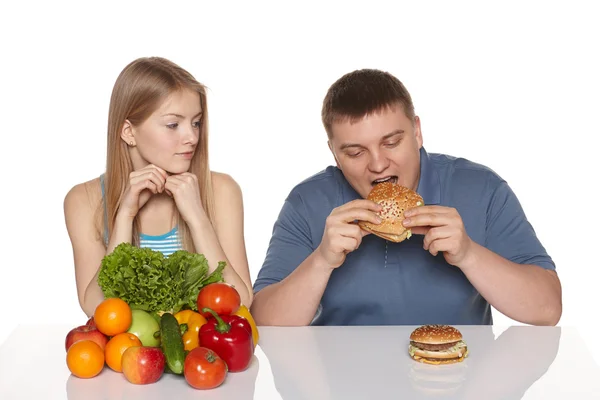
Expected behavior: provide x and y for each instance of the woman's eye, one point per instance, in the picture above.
(196, 124)
(173, 125)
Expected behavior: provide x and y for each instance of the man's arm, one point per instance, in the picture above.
(291, 283)
(294, 300)
(526, 293)
(512, 271)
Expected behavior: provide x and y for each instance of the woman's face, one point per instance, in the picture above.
(168, 138)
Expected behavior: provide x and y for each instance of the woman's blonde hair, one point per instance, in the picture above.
(139, 90)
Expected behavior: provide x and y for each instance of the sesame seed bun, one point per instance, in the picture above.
(436, 334)
(394, 199)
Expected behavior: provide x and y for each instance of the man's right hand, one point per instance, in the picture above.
(342, 235)
(142, 185)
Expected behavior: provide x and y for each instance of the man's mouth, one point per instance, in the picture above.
(390, 178)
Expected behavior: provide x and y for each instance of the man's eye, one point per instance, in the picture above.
(353, 155)
(392, 144)
(173, 125)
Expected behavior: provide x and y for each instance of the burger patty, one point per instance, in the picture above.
(438, 359)
(433, 347)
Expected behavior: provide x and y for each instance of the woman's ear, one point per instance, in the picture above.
(127, 133)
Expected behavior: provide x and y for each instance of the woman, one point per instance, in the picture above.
(158, 190)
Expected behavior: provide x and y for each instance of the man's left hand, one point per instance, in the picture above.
(443, 229)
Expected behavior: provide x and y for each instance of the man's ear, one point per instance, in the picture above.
(417, 129)
(333, 152)
(127, 133)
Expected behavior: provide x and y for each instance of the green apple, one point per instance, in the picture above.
(144, 326)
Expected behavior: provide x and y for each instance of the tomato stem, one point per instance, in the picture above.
(210, 357)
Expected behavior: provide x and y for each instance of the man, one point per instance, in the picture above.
(472, 245)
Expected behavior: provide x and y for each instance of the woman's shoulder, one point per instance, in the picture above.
(224, 185)
(86, 195)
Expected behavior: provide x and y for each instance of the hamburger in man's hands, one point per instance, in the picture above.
(437, 344)
(394, 200)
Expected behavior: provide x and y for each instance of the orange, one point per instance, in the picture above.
(112, 316)
(116, 346)
(85, 359)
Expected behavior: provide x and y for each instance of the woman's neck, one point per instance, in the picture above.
(158, 215)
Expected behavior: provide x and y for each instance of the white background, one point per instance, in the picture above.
(513, 85)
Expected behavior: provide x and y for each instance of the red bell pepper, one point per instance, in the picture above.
(230, 336)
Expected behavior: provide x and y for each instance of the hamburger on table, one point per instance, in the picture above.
(437, 344)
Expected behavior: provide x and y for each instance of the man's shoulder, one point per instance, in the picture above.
(319, 193)
(460, 169)
(459, 163)
(323, 177)
(324, 181)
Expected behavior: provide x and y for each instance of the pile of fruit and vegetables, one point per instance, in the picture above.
(163, 315)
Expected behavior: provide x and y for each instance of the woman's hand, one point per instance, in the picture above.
(186, 193)
(142, 185)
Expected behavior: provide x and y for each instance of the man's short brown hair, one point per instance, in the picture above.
(361, 93)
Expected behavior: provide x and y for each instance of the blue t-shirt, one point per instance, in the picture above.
(386, 283)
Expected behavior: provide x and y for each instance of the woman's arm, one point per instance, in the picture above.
(88, 248)
(224, 241)
(229, 225)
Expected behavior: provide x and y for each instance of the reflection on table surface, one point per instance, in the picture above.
(368, 362)
(522, 362)
(113, 385)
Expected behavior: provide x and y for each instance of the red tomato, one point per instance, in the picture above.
(222, 298)
(204, 369)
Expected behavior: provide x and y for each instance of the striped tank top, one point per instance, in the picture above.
(166, 243)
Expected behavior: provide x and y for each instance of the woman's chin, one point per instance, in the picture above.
(175, 167)
(175, 170)
(171, 173)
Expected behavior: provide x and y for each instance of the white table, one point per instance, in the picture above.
(329, 363)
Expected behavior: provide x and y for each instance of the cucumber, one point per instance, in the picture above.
(171, 343)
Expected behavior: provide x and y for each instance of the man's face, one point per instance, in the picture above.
(378, 147)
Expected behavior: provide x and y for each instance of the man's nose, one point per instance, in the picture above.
(378, 163)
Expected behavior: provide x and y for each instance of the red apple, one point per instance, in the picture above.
(91, 322)
(85, 332)
(143, 364)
